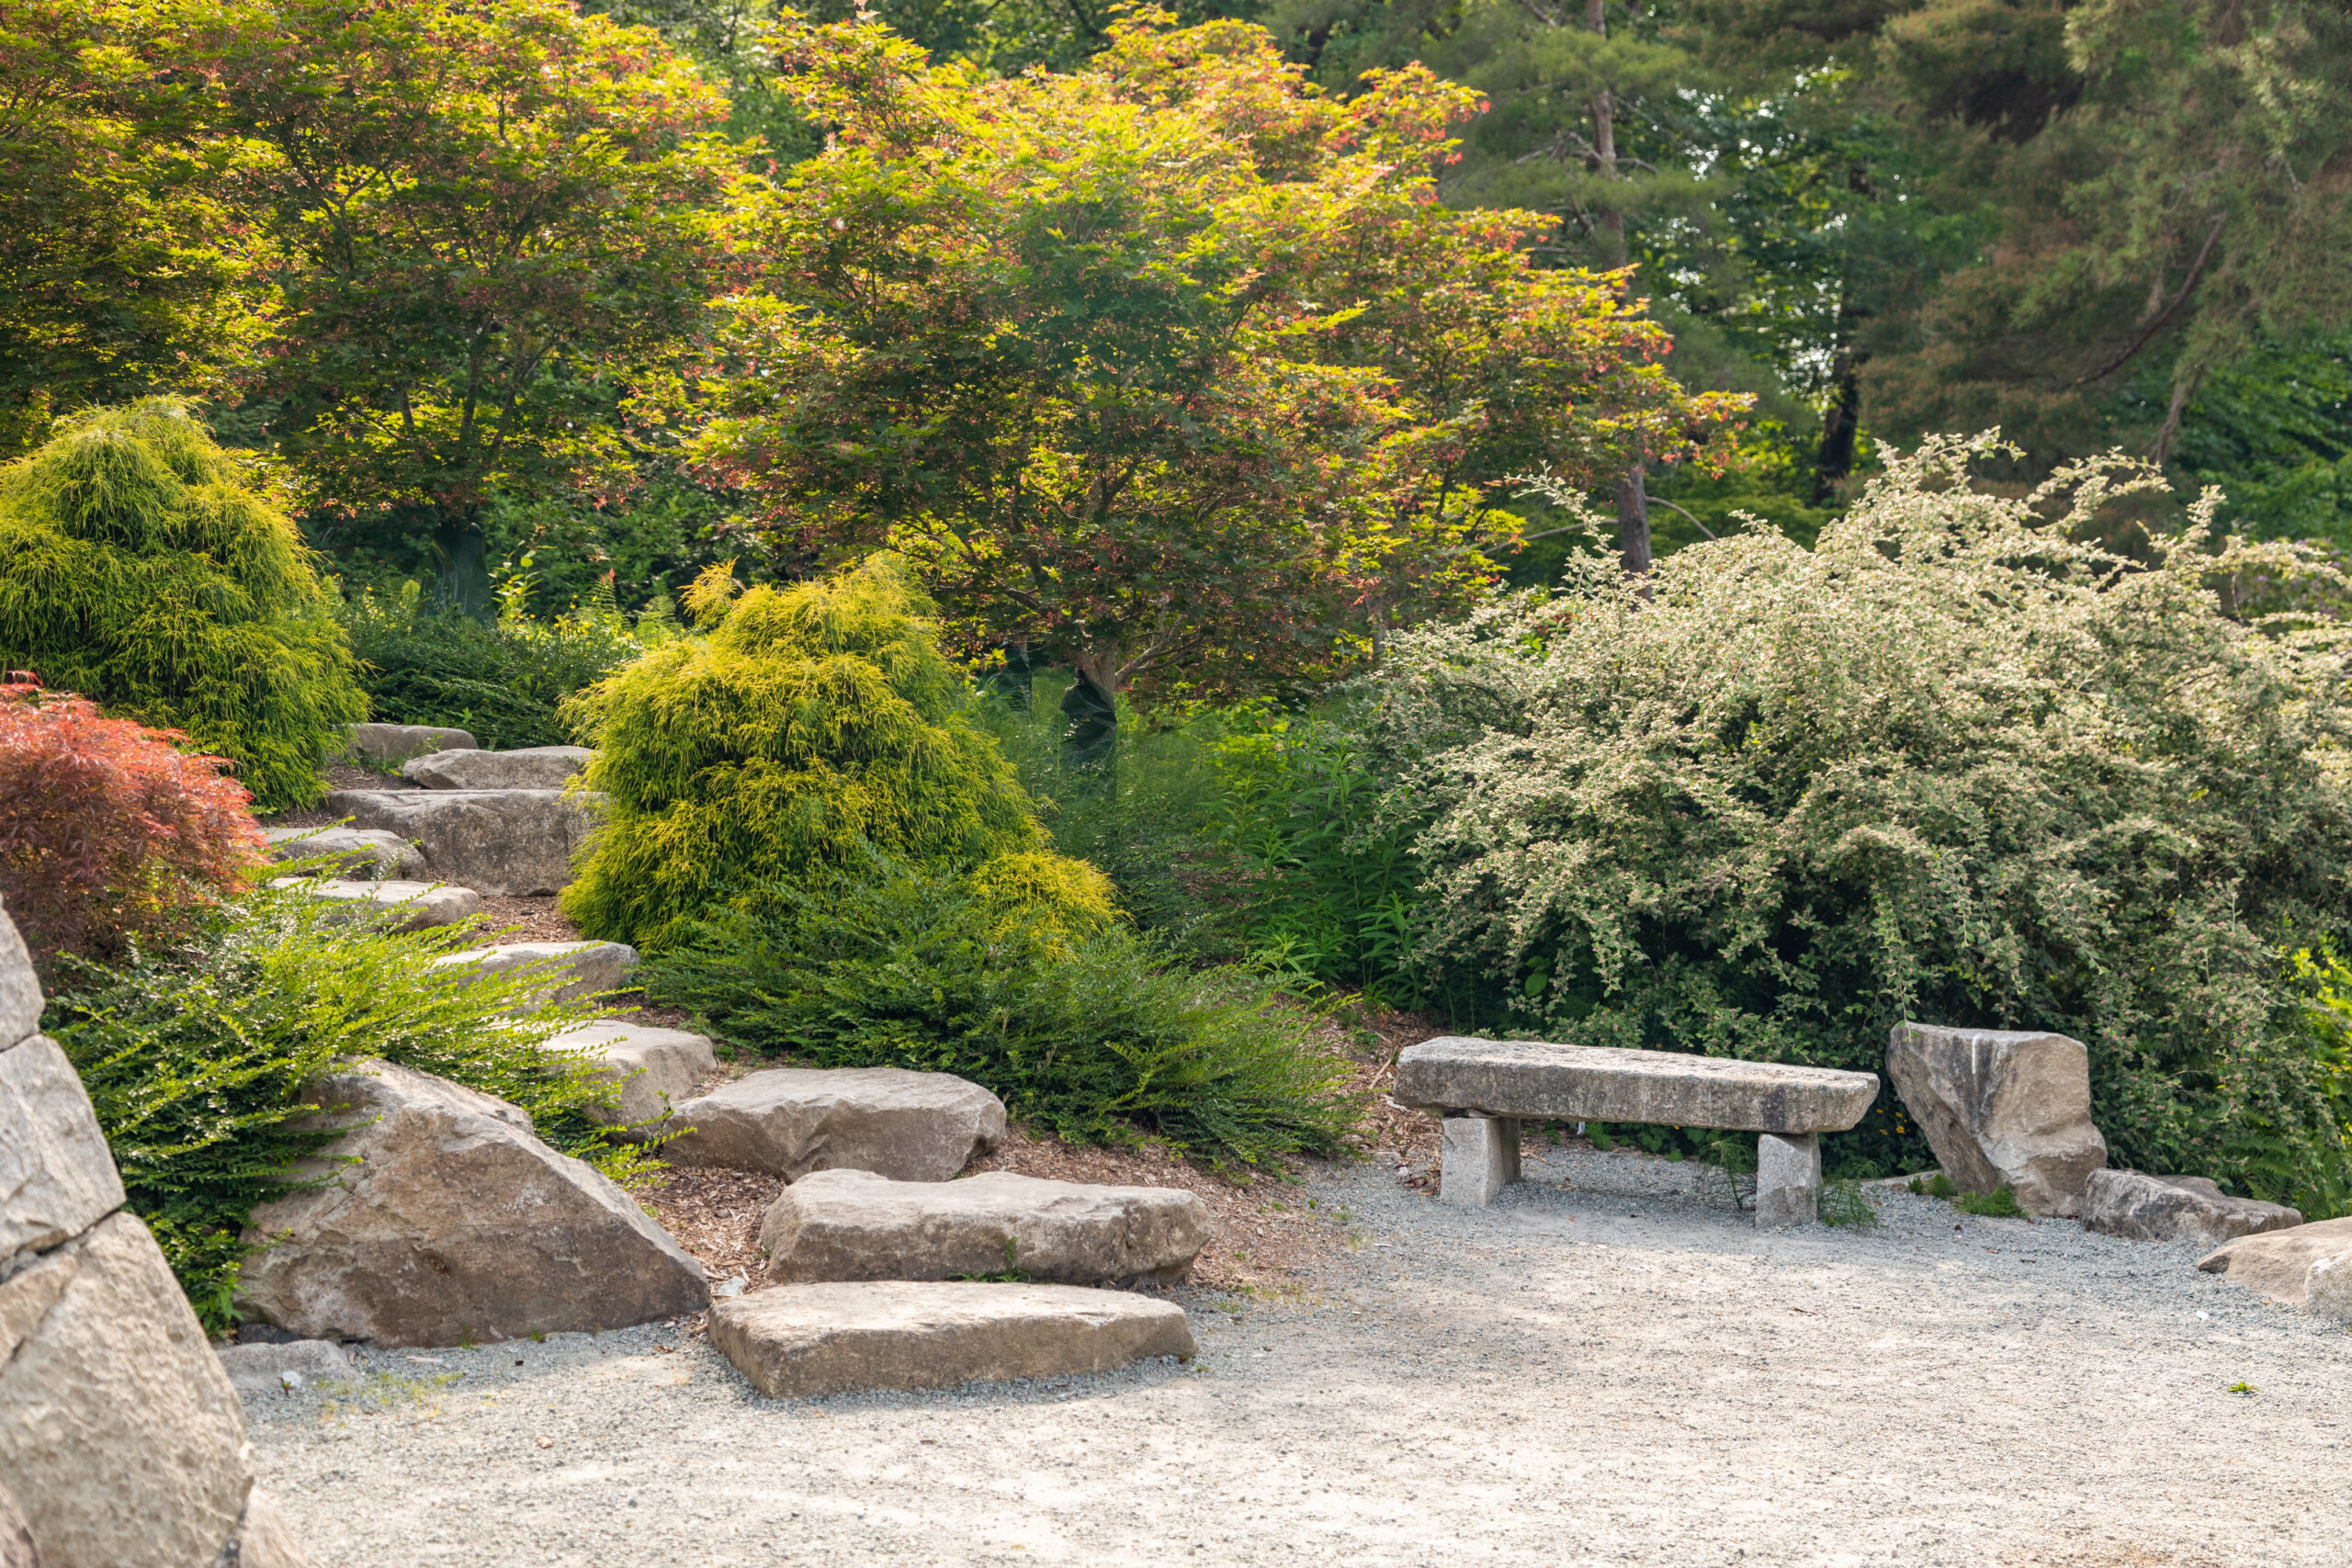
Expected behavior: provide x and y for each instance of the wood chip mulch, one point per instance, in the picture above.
(524, 920)
(1265, 1237)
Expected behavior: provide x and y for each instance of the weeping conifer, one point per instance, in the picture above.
(140, 569)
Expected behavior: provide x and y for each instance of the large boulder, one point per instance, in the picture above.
(120, 1434)
(2278, 1263)
(807, 1341)
(455, 1224)
(2001, 1109)
(20, 997)
(655, 1068)
(387, 745)
(356, 851)
(57, 1178)
(417, 904)
(854, 1225)
(532, 767)
(2176, 1208)
(790, 1121)
(503, 842)
(566, 971)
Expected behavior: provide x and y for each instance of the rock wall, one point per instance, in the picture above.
(121, 1441)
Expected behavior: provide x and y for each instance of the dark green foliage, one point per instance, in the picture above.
(142, 567)
(810, 723)
(193, 1056)
(1843, 1202)
(1082, 1032)
(1998, 1204)
(504, 681)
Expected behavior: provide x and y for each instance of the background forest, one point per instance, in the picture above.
(1483, 508)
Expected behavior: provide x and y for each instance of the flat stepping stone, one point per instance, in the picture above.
(790, 1121)
(2279, 1264)
(2176, 1208)
(390, 745)
(854, 1225)
(655, 1067)
(567, 971)
(423, 904)
(530, 767)
(808, 1341)
(504, 844)
(357, 851)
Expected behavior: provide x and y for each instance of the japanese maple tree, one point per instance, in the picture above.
(1171, 368)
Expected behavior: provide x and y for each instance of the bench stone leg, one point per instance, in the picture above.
(1788, 1178)
(1480, 1158)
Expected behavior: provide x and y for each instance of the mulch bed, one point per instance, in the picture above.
(524, 919)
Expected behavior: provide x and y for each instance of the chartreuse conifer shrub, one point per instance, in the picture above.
(806, 726)
(141, 566)
(1953, 766)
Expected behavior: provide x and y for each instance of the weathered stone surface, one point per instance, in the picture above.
(120, 1434)
(56, 1177)
(790, 1121)
(1598, 1083)
(1788, 1178)
(263, 1539)
(805, 1341)
(358, 851)
(655, 1067)
(531, 767)
(20, 999)
(502, 842)
(2278, 1263)
(456, 1224)
(566, 971)
(2001, 1109)
(420, 904)
(2176, 1208)
(15, 1535)
(2327, 1288)
(1477, 1158)
(390, 745)
(854, 1225)
(268, 1369)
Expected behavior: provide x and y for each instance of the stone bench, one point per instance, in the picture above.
(1483, 1089)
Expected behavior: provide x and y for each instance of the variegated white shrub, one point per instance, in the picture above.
(1950, 764)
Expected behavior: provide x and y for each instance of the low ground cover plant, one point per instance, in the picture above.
(195, 1052)
(1951, 763)
(107, 830)
(1052, 1002)
(146, 567)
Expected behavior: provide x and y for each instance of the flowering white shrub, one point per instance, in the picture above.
(1950, 765)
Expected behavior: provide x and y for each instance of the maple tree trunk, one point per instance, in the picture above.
(1090, 738)
(465, 578)
(1633, 492)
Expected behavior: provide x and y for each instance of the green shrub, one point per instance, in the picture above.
(193, 1056)
(1949, 766)
(1998, 1204)
(142, 567)
(1078, 1030)
(807, 724)
(1843, 1202)
(504, 681)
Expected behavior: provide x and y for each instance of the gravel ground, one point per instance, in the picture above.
(1598, 1369)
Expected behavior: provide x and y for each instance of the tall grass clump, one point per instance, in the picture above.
(142, 567)
(805, 725)
(195, 1053)
(1065, 1014)
(1951, 765)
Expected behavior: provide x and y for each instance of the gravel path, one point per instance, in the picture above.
(1599, 1372)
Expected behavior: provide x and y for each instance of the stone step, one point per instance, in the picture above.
(854, 1225)
(501, 842)
(358, 851)
(424, 903)
(568, 971)
(655, 1068)
(790, 1121)
(808, 1341)
(529, 767)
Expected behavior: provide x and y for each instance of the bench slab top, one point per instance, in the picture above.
(1601, 1083)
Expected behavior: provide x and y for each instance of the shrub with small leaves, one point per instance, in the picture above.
(107, 830)
(1998, 1204)
(1843, 1202)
